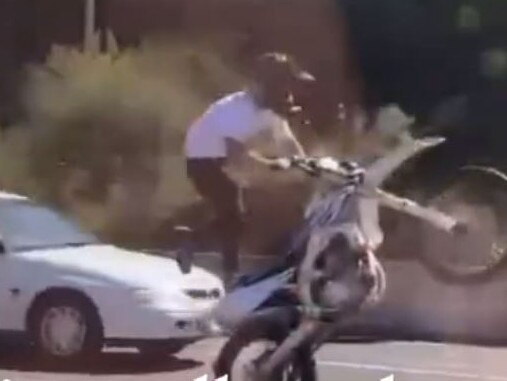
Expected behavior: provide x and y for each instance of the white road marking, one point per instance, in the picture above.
(422, 372)
(209, 348)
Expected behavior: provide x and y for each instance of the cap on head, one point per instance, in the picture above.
(275, 66)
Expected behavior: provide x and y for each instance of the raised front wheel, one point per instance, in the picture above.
(478, 198)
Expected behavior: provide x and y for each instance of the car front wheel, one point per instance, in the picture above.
(66, 327)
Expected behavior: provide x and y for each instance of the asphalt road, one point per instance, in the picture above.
(406, 361)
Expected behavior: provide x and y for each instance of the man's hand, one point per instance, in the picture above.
(281, 163)
(460, 228)
(273, 163)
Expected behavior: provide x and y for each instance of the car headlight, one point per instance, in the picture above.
(203, 294)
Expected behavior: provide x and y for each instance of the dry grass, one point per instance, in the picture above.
(103, 132)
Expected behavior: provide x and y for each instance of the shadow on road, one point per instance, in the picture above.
(106, 364)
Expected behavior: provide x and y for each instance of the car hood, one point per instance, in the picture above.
(112, 264)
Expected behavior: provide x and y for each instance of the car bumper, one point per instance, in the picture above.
(153, 324)
(174, 345)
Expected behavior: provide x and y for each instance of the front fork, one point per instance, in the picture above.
(302, 337)
(316, 325)
(306, 339)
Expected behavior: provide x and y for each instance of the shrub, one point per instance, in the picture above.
(104, 131)
(14, 166)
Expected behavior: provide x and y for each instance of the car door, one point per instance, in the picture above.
(9, 292)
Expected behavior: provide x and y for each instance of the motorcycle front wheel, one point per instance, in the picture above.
(476, 196)
(253, 342)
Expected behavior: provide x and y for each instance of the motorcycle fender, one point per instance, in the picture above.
(239, 303)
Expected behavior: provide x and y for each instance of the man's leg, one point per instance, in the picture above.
(230, 226)
(227, 202)
(224, 195)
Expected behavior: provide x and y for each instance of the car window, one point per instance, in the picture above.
(27, 226)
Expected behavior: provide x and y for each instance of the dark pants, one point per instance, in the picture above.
(220, 192)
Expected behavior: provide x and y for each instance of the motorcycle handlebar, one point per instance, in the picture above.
(351, 173)
(315, 166)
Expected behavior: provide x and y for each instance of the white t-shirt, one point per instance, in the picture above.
(237, 117)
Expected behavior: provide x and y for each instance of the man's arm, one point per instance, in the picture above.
(237, 152)
(285, 145)
(286, 141)
(265, 160)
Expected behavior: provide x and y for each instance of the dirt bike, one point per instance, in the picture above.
(329, 274)
(477, 194)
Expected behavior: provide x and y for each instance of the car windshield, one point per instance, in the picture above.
(27, 226)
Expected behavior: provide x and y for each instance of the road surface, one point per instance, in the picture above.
(406, 361)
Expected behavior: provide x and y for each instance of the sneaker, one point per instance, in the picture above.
(185, 253)
(185, 258)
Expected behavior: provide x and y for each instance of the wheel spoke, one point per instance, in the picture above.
(484, 247)
(63, 331)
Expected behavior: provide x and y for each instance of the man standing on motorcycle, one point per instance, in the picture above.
(229, 127)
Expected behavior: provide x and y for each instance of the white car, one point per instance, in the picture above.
(71, 295)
